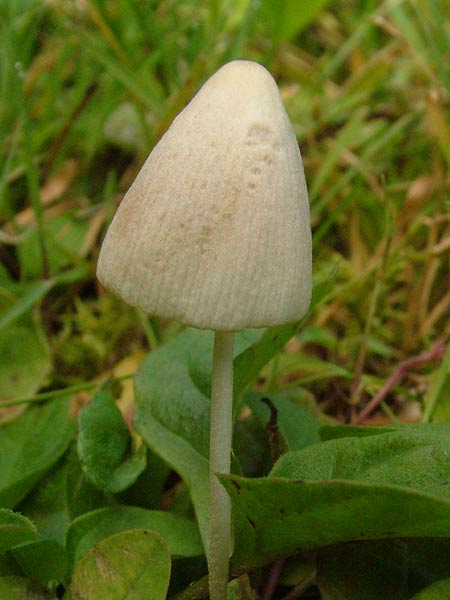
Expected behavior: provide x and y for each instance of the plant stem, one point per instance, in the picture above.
(62, 393)
(301, 587)
(148, 328)
(220, 452)
(436, 353)
(272, 582)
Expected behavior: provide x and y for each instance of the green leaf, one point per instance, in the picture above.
(148, 489)
(14, 529)
(249, 363)
(380, 569)
(66, 232)
(287, 18)
(82, 496)
(250, 447)
(30, 446)
(172, 412)
(265, 346)
(185, 571)
(147, 89)
(47, 505)
(42, 560)
(296, 424)
(24, 359)
(172, 401)
(31, 294)
(317, 335)
(309, 368)
(277, 517)
(436, 402)
(132, 564)
(416, 457)
(376, 346)
(105, 445)
(333, 432)
(436, 591)
(19, 588)
(8, 566)
(182, 536)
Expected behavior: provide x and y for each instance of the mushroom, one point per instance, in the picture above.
(215, 233)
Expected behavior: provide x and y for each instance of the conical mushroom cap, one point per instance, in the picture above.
(215, 232)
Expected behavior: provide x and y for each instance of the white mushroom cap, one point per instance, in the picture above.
(215, 231)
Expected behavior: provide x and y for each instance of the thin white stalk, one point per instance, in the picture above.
(220, 452)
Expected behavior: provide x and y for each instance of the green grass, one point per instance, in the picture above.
(86, 90)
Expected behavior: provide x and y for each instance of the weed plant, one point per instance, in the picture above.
(87, 88)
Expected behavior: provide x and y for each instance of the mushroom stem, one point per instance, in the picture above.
(220, 452)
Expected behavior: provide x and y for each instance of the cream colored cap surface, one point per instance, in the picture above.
(215, 231)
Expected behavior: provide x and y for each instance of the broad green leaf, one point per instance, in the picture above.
(296, 424)
(286, 18)
(105, 445)
(46, 506)
(24, 359)
(14, 529)
(298, 567)
(394, 569)
(19, 588)
(132, 564)
(172, 400)
(416, 457)
(250, 362)
(30, 446)
(436, 591)
(42, 560)
(333, 432)
(148, 489)
(172, 415)
(276, 517)
(172, 408)
(180, 535)
(81, 496)
(250, 447)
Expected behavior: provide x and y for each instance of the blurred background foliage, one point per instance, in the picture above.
(87, 87)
